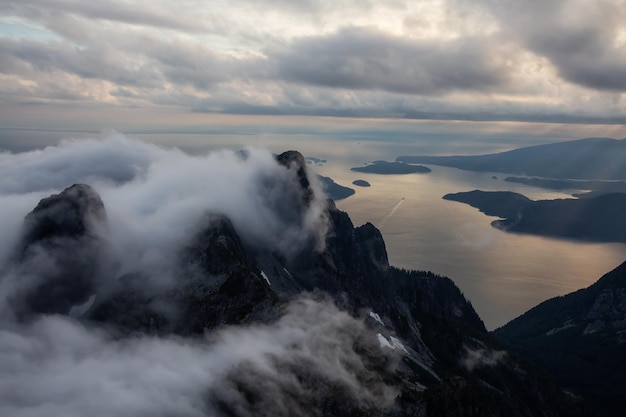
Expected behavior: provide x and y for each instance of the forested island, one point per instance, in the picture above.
(599, 218)
(361, 183)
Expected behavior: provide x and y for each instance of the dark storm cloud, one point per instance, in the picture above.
(364, 58)
(581, 39)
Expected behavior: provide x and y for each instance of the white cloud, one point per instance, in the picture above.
(57, 366)
(156, 198)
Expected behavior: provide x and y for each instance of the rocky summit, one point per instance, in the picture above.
(57, 260)
(417, 348)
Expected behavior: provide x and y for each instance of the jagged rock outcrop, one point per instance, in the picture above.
(57, 260)
(294, 160)
(218, 284)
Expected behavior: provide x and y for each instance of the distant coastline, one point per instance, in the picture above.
(595, 159)
(392, 168)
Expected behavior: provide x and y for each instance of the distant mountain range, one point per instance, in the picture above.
(599, 218)
(585, 159)
(598, 186)
(407, 342)
(391, 168)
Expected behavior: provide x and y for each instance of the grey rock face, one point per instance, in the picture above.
(582, 333)
(57, 258)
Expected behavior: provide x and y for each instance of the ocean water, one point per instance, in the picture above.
(502, 274)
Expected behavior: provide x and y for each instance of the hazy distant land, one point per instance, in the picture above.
(389, 168)
(314, 160)
(584, 159)
(597, 187)
(598, 218)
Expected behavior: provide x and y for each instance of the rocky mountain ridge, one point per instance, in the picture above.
(581, 339)
(421, 339)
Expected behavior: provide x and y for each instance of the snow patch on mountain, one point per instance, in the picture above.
(376, 317)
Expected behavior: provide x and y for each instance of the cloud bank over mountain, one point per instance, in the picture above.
(153, 203)
(156, 197)
(58, 366)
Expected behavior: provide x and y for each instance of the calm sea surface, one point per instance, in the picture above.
(502, 274)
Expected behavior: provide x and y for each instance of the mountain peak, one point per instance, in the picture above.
(69, 213)
(295, 161)
(56, 262)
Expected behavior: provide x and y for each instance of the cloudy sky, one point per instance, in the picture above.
(66, 61)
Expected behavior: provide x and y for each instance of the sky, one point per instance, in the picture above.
(72, 64)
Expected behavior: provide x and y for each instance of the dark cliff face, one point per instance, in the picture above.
(581, 339)
(444, 362)
(294, 200)
(57, 258)
(71, 214)
(218, 283)
(294, 160)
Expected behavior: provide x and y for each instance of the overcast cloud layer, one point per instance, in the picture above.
(486, 59)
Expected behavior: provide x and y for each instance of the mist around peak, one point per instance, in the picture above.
(143, 208)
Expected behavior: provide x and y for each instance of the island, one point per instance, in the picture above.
(595, 219)
(361, 183)
(391, 168)
(333, 190)
(314, 160)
